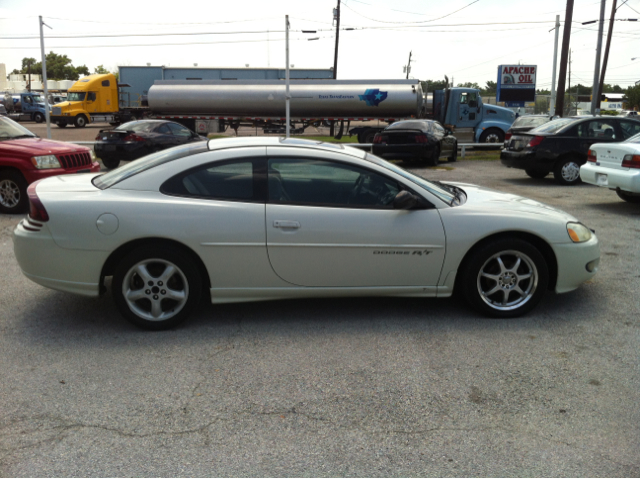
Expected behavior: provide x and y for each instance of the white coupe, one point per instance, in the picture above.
(615, 166)
(265, 218)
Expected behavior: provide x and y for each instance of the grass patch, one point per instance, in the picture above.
(493, 155)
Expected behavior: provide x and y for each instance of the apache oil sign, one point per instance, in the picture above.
(517, 83)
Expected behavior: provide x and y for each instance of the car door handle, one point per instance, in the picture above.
(286, 224)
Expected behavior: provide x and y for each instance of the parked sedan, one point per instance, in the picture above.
(136, 139)
(248, 219)
(416, 140)
(615, 166)
(561, 146)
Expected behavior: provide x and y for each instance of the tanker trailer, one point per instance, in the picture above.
(261, 104)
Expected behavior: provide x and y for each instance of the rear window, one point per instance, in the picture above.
(554, 126)
(529, 121)
(633, 139)
(409, 125)
(137, 126)
(132, 168)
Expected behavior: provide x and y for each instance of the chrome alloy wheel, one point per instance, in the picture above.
(570, 171)
(9, 194)
(507, 280)
(155, 289)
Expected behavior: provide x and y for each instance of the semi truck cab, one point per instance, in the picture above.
(25, 106)
(92, 98)
(465, 109)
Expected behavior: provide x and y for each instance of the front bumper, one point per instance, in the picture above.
(573, 260)
(44, 262)
(34, 175)
(626, 180)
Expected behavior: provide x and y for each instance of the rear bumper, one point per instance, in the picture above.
(44, 262)
(626, 180)
(124, 152)
(523, 160)
(34, 175)
(402, 151)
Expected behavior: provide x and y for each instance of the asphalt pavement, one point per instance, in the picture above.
(338, 387)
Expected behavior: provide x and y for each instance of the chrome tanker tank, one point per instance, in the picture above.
(309, 98)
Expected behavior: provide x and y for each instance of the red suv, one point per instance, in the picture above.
(25, 158)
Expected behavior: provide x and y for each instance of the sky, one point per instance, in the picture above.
(463, 39)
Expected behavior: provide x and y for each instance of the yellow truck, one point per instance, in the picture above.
(93, 99)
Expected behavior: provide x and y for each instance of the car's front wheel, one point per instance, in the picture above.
(567, 172)
(628, 197)
(504, 278)
(156, 287)
(13, 192)
(110, 163)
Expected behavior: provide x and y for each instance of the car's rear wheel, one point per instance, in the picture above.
(13, 192)
(110, 163)
(504, 278)
(434, 159)
(567, 172)
(628, 197)
(156, 287)
(536, 174)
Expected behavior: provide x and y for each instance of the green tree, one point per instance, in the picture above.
(607, 88)
(490, 89)
(631, 97)
(431, 85)
(543, 92)
(101, 70)
(469, 85)
(59, 67)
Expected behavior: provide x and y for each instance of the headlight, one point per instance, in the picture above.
(578, 233)
(93, 155)
(45, 162)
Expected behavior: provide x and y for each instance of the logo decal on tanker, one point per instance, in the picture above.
(373, 96)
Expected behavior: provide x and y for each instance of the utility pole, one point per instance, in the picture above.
(552, 103)
(336, 17)
(595, 98)
(409, 65)
(569, 87)
(566, 36)
(606, 48)
(44, 79)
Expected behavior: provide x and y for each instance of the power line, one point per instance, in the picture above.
(425, 21)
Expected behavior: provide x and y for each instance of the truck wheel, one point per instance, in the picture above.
(492, 135)
(38, 117)
(13, 192)
(81, 121)
(62, 124)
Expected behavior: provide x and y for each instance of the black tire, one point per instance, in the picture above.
(492, 135)
(369, 135)
(498, 297)
(151, 303)
(434, 159)
(62, 124)
(536, 173)
(13, 193)
(567, 172)
(454, 153)
(110, 163)
(38, 117)
(628, 197)
(80, 121)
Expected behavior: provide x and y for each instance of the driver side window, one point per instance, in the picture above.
(327, 183)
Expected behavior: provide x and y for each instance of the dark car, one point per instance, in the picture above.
(561, 146)
(416, 140)
(136, 139)
(524, 124)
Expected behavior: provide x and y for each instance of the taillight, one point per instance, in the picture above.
(421, 139)
(36, 208)
(98, 137)
(631, 161)
(133, 137)
(378, 138)
(535, 141)
(592, 156)
(507, 136)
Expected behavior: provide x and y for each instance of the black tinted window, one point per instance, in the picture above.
(232, 180)
(599, 129)
(328, 183)
(629, 128)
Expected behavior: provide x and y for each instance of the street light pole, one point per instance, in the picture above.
(552, 103)
(287, 95)
(44, 79)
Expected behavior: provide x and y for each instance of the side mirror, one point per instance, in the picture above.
(404, 201)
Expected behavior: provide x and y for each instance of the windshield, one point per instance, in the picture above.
(134, 167)
(553, 126)
(37, 99)
(137, 126)
(9, 130)
(434, 188)
(76, 96)
(530, 121)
